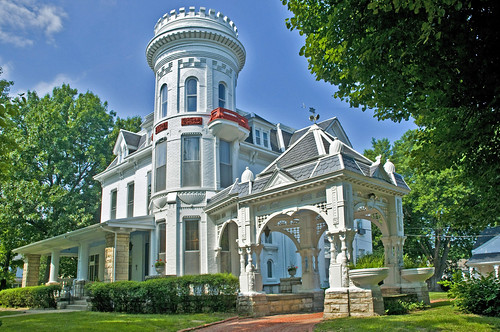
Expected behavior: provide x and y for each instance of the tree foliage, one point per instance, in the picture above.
(61, 141)
(433, 61)
(439, 223)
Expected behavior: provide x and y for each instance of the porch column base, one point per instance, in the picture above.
(252, 304)
(336, 303)
(31, 270)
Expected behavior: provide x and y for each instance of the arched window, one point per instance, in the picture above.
(269, 268)
(222, 95)
(191, 94)
(164, 100)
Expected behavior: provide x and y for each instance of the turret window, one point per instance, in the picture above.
(191, 163)
(226, 168)
(164, 100)
(222, 95)
(192, 94)
(161, 167)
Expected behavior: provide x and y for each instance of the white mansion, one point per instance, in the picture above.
(207, 188)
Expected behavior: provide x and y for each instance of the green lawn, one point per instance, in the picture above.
(8, 313)
(97, 321)
(438, 296)
(440, 317)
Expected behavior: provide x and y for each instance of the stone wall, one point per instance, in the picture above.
(272, 304)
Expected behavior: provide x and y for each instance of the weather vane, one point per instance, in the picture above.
(313, 117)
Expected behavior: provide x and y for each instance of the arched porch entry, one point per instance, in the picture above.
(227, 250)
(304, 228)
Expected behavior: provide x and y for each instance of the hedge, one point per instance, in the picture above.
(31, 297)
(187, 294)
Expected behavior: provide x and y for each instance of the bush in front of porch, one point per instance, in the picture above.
(186, 294)
(30, 297)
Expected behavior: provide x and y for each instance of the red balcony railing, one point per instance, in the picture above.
(225, 114)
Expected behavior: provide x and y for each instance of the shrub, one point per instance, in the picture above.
(202, 293)
(475, 295)
(402, 304)
(368, 261)
(32, 297)
(411, 263)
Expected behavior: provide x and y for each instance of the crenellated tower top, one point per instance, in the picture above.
(207, 25)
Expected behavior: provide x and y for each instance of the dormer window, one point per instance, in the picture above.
(192, 95)
(261, 137)
(222, 95)
(164, 100)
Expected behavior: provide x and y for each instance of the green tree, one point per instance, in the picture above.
(434, 210)
(433, 61)
(63, 140)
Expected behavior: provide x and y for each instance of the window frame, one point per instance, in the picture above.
(189, 179)
(130, 199)
(222, 100)
(113, 204)
(163, 101)
(161, 169)
(191, 95)
(227, 166)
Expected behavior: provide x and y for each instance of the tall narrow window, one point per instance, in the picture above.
(192, 94)
(192, 246)
(162, 245)
(130, 200)
(265, 139)
(161, 167)
(113, 204)
(93, 267)
(222, 95)
(191, 164)
(269, 268)
(226, 167)
(148, 194)
(257, 136)
(192, 235)
(164, 100)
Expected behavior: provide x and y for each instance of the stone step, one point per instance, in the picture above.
(79, 307)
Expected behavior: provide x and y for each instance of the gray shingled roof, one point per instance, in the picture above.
(131, 139)
(484, 258)
(486, 235)
(303, 161)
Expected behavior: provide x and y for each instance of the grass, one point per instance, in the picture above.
(438, 296)
(97, 321)
(8, 313)
(440, 317)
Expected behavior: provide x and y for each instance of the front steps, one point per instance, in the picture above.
(76, 305)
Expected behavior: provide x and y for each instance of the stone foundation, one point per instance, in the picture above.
(336, 303)
(273, 304)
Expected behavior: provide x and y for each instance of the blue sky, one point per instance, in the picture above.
(99, 45)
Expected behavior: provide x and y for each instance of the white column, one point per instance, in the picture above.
(153, 252)
(495, 267)
(83, 262)
(54, 267)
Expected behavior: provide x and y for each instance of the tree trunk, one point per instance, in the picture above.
(439, 263)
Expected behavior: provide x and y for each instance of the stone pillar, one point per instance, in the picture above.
(31, 270)
(310, 275)
(83, 262)
(257, 249)
(116, 257)
(54, 267)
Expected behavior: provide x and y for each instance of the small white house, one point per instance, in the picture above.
(485, 257)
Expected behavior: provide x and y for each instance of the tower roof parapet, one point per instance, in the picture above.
(191, 24)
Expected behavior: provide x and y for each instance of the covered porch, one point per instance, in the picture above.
(110, 251)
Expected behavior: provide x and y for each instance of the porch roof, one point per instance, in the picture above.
(92, 233)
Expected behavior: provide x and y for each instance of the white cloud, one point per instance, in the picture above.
(7, 69)
(43, 88)
(21, 19)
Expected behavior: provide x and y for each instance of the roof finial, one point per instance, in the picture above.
(313, 117)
